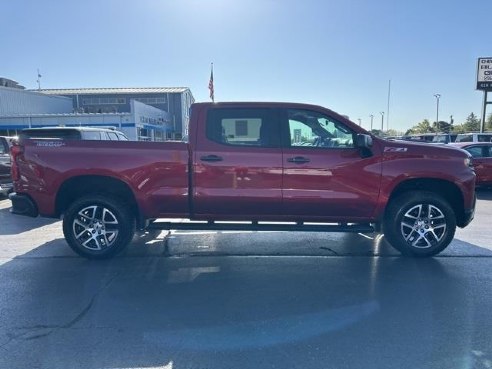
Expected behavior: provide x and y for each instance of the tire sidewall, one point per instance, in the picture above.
(125, 220)
(398, 208)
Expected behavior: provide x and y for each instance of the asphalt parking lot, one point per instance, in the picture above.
(244, 300)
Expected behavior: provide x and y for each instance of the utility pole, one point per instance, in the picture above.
(382, 121)
(39, 80)
(388, 108)
(437, 96)
(372, 117)
(484, 111)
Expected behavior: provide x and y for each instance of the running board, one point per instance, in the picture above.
(263, 226)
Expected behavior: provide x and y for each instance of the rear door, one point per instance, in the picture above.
(237, 164)
(325, 176)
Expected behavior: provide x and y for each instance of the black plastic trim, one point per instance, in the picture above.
(23, 205)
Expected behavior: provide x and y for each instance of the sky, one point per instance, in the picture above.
(340, 54)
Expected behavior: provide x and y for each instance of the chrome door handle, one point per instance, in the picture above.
(298, 160)
(211, 158)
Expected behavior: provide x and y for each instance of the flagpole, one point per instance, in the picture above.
(211, 83)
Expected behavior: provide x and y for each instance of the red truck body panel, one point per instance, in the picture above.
(157, 173)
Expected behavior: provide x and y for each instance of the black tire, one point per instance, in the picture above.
(98, 227)
(419, 223)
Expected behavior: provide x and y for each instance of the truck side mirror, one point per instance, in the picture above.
(364, 144)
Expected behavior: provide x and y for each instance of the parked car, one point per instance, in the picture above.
(241, 170)
(424, 137)
(482, 161)
(444, 138)
(474, 137)
(5, 177)
(74, 133)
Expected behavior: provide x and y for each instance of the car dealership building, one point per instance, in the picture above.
(146, 114)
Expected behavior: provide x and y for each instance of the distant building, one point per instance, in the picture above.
(14, 100)
(5, 82)
(142, 123)
(147, 114)
(174, 100)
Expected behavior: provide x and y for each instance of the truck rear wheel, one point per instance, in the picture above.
(98, 227)
(419, 223)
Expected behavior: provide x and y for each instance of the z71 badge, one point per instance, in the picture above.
(395, 149)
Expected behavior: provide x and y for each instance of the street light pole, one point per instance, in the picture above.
(360, 121)
(437, 96)
(382, 121)
(372, 117)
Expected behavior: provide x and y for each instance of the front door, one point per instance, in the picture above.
(325, 176)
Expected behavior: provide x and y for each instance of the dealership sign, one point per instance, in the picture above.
(484, 74)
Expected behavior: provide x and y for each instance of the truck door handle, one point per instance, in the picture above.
(298, 160)
(211, 158)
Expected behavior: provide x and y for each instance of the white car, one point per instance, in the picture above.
(474, 137)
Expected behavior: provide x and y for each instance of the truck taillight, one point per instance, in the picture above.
(15, 151)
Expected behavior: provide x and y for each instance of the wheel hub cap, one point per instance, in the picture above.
(423, 226)
(95, 227)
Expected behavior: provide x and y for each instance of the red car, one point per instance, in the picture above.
(482, 160)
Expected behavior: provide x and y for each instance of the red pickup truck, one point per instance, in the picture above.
(254, 166)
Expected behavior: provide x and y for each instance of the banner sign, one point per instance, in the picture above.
(484, 74)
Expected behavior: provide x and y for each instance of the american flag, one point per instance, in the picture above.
(211, 83)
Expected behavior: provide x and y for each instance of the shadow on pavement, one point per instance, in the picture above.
(15, 224)
(484, 194)
(242, 312)
(253, 311)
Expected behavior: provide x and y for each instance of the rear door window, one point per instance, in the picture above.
(464, 138)
(484, 138)
(92, 135)
(476, 151)
(243, 127)
(112, 136)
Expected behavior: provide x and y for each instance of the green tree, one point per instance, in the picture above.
(488, 123)
(422, 127)
(472, 123)
(392, 132)
(442, 127)
(459, 129)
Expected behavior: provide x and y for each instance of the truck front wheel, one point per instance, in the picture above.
(419, 223)
(98, 227)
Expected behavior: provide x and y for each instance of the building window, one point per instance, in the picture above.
(152, 100)
(103, 100)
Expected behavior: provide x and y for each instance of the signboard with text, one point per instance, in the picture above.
(484, 74)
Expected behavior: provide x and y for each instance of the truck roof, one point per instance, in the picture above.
(272, 104)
